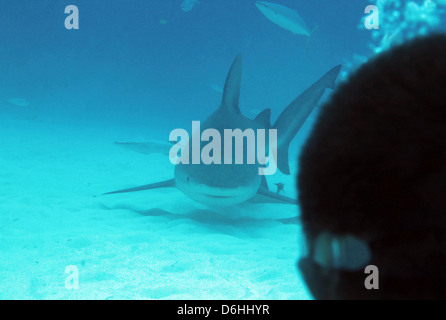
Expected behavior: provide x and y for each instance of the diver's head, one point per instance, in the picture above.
(372, 181)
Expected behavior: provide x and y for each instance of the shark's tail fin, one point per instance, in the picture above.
(294, 116)
(308, 40)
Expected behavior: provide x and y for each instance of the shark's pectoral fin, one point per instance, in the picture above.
(163, 184)
(147, 147)
(265, 196)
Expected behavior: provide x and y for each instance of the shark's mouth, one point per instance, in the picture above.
(224, 193)
(220, 197)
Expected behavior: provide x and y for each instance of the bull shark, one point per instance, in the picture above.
(222, 185)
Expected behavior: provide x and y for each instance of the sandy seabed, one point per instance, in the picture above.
(155, 244)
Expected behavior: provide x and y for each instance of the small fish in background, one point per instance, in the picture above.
(188, 5)
(163, 21)
(280, 187)
(18, 102)
(285, 18)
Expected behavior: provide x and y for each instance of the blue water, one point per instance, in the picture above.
(134, 71)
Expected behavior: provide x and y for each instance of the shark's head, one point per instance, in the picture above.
(218, 185)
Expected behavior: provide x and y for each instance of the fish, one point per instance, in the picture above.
(18, 102)
(188, 5)
(280, 187)
(285, 18)
(224, 185)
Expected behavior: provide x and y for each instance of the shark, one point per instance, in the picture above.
(223, 185)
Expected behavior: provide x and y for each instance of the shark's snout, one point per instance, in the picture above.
(220, 197)
(209, 189)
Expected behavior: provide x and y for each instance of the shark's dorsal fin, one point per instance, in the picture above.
(264, 118)
(231, 92)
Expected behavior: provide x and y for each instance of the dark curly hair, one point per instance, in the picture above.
(375, 167)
